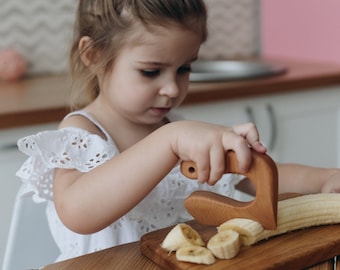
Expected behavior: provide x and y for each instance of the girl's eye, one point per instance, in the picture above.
(184, 69)
(150, 72)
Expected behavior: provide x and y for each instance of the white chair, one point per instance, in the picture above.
(30, 244)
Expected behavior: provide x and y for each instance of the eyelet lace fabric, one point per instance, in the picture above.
(74, 148)
(69, 148)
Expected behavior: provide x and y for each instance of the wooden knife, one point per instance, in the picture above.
(213, 209)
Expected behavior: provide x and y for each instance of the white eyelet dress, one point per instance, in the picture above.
(75, 148)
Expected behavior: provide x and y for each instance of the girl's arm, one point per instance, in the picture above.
(301, 179)
(305, 179)
(88, 202)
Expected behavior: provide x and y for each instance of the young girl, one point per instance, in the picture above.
(110, 172)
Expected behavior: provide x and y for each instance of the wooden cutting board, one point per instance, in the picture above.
(294, 250)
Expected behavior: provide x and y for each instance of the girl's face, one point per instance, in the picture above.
(150, 75)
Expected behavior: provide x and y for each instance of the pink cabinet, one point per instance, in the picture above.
(303, 29)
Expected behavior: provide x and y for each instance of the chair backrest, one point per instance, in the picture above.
(30, 243)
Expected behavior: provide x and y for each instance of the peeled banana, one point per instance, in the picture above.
(225, 244)
(195, 254)
(293, 214)
(181, 235)
(248, 229)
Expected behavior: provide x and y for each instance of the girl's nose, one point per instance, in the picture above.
(171, 89)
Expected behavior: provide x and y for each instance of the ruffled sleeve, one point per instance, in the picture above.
(68, 148)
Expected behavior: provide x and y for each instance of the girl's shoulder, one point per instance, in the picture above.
(84, 120)
(69, 147)
(66, 148)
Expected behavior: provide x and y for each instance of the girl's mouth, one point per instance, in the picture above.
(160, 111)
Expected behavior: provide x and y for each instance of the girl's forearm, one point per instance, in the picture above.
(302, 179)
(101, 196)
(91, 201)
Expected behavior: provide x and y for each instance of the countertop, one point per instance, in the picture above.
(43, 99)
(301, 249)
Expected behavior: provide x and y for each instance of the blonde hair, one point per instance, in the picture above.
(109, 23)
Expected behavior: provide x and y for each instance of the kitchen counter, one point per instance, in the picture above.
(294, 250)
(43, 99)
(299, 76)
(34, 100)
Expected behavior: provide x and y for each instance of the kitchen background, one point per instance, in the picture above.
(41, 31)
(304, 29)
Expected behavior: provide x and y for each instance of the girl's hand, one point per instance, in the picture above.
(332, 184)
(207, 144)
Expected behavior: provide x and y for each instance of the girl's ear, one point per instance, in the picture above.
(86, 51)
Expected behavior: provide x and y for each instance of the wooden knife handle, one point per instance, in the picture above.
(213, 209)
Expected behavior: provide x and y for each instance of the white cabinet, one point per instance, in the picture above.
(300, 127)
(10, 161)
(307, 127)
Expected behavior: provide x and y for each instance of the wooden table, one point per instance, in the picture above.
(126, 256)
(129, 256)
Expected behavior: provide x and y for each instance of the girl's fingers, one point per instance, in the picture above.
(217, 161)
(207, 145)
(244, 137)
(243, 153)
(251, 134)
(259, 147)
(202, 159)
(203, 167)
(212, 164)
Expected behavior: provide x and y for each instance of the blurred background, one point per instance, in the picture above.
(304, 30)
(41, 31)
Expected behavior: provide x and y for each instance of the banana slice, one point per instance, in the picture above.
(225, 244)
(195, 254)
(248, 229)
(181, 235)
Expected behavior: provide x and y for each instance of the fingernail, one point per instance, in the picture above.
(261, 142)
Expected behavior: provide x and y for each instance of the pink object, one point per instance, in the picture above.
(12, 65)
(302, 30)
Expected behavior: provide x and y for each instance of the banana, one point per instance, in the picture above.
(181, 235)
(293, 214)
(248, 229)
(195, 254)
(225, 244)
